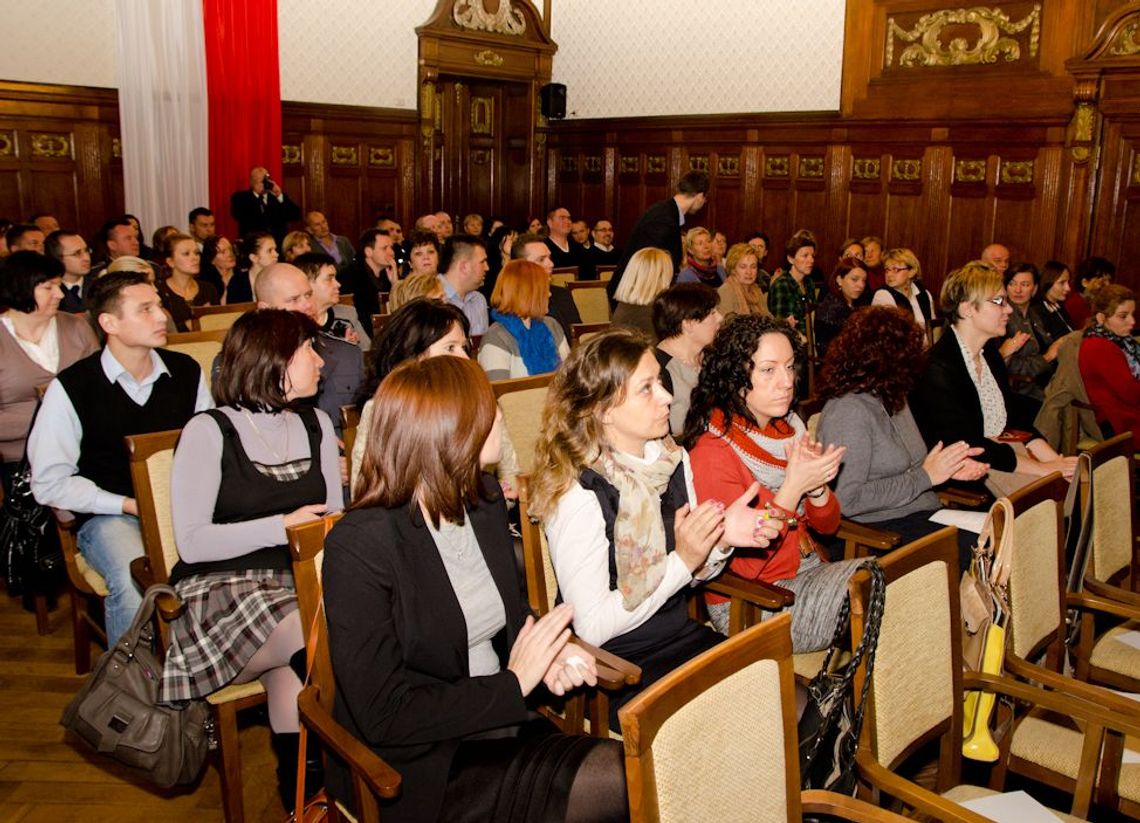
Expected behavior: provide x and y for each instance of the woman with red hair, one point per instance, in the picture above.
(522, 340)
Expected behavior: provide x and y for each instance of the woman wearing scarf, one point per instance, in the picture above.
(700, 263)
(741, 430)
(740, 293)
(522, 340)
(615, 493)
(1110, 361)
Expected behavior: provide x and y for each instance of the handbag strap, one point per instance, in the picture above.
(140, 628)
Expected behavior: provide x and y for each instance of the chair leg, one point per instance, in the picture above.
(229, 765)
(43, 624)
(81, 631)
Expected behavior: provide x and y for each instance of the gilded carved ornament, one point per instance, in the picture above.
(1136, 170)
(776, 166)
(969, 171)
(382, 156)
(290, 155)
(655, 164)
(345, 156)
(630, 165)
(1126, 43)
(50, 146)
(699, 162)
(867, 168)
(483, 115)
(488, 58)
(1016, 171)
(906, 169)
(592, 164)
(570, 165)
(8, 144)
(811, 167)
(728, 166)
(927, 48)
(473, 15)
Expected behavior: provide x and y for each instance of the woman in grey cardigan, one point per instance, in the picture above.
(888, 476)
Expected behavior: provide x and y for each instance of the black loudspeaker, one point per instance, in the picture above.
(553, 100)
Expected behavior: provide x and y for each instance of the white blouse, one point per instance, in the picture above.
(989, 393)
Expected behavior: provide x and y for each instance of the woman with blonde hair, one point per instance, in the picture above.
(1110, 360)
(522, 339)
(700, 260)
(648, 273)
(904, 286)
(413, 286)
(295, 244)
(740, 293)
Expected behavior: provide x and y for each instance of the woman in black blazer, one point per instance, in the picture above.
(434, 651)
(949, 404)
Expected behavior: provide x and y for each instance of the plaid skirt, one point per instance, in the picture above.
(228, 617)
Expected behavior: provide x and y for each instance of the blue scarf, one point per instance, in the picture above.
(536, 344)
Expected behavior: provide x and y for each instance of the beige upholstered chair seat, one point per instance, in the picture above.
(93, 578)
(965, 792)
(1059, 749)
(238, 692)
(1110, 653)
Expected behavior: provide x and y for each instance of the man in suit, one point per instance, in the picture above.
(263, 206)
(660, 226)
(71, 250)
(602, 250)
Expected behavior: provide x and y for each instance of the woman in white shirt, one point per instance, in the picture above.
(904, 286)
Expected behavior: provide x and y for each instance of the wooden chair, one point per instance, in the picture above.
(372, 778)
(349, 421)
(591, 299)
(563, 274)
(209, 318)
(605, 273)
(581, 332)
(347, 300)
(203, 346)
(152, 456)
(84, 584)
(934, 329)
(716, 739)
(522, 400)
(379, 322)
(916, 692)
(1081, 431)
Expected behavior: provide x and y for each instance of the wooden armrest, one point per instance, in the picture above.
(618, 674)
(764, 595)
(869, 536)
(169, 606)
(1080, 404)
(1066, 696)
(912, 794)
(1117, 608)
(956, 496)
(380, 777)
(1109, 592)
(818, 801)
(65, 519)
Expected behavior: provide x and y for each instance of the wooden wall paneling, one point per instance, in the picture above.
(866, 200)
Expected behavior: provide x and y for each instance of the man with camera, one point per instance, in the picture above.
(263, 206)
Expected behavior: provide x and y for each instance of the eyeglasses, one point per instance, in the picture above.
(899, 268)
(998, 300)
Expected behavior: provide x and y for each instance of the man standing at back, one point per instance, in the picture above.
(660, 226)
(464, 265)
(79, 460)
(263, 206)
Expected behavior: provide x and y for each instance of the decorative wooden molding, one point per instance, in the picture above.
(1125, 42)
(927, 50)
(969, 171)
(867, 168)
(345, 156)
(488, 58)
(7, 144)
(699, 162)
(1016, 172)
(570, 165)
(728, 166)
(906, 169)
(474, 16)
(630, 165)
(290, 155)
(116, 147)
(50, 146)
(776, 166)
(483, 115)
(1136, 170)
(382, 156)
(811, 167)
(1080, 146)
(655, 164)
(592, 164)
(480, 157)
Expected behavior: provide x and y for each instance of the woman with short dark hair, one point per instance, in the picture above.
(686, 318)
(1030, 352)
(220, 267)
(433, 648)
(1049, 307)
(835, 308)
(243, 473)
(37, 341)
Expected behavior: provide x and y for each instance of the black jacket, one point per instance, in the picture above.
(272, 216)
(660, 228)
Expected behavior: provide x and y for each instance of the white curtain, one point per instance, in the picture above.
(161, 68)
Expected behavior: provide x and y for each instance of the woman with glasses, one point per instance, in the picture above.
(901, 269)
(964, 394)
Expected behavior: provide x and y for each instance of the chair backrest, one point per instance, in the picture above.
(541, 584)
(152, 458)
(522, 400)
(715, 739)
(581, 332)
(934, 328)
(562, 275)
(349, 421)
(605, 273)
(203, 346)
(592, 300)
(307, 545)
(347, 300)
(919, 643)
(1036, 578)
(1113, 507)
(208, 318)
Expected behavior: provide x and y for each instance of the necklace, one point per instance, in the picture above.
(276, 454)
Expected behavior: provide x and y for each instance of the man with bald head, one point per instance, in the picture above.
(443, 226)
(284, 286)
(336, 246)
(263, 206)
(997, 256)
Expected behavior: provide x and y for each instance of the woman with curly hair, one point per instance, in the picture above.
(741, 431)
(888, 476)
(627, 539)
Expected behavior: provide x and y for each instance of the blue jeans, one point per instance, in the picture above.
(109, 543)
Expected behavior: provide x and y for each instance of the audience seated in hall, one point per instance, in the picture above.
(180, 287)
(760, 243)
(964, 393)
(701, 265)
(25, 237)
(873, 257)
(259, 250)
(1092, 273)
(997, 256)
(565, 251)
(648, 273)
(70, 249)
(473, 224)
(295, 244)
(1110, 361)
(45, 222)
(685, 320)
(443, 226)
(746, 443)
(562, 306)
(851, 248)
(242, 474)
(78, 458)
(793, 290)
(1030, 352)
(849, 282)
(1049, 306)
(396, 232)
(413, 286)
(522, 340)
(499, 244)
(741, 294)
(614, 492)
(219, 267)
(580, 233)
(887, 478)
(423, 253)
(463, 265)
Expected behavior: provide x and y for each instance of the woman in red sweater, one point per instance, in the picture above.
(1110, 361)
(741, 429)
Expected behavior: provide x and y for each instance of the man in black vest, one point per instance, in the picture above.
(79, 459)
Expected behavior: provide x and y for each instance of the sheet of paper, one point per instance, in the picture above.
(967, 521)
(1129, 638)
(1011, 807)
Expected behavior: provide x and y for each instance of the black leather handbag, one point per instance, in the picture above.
(118, 714)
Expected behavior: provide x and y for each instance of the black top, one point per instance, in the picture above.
(830, 315)
(264, 213)
(575, 256)
(75, 297)
(563, 309)
(398, 642)
(107, 414)
(659, 227)
(903, 302)
(246, 494)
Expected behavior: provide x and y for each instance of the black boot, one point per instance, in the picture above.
(285, 748)
(314, 762)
